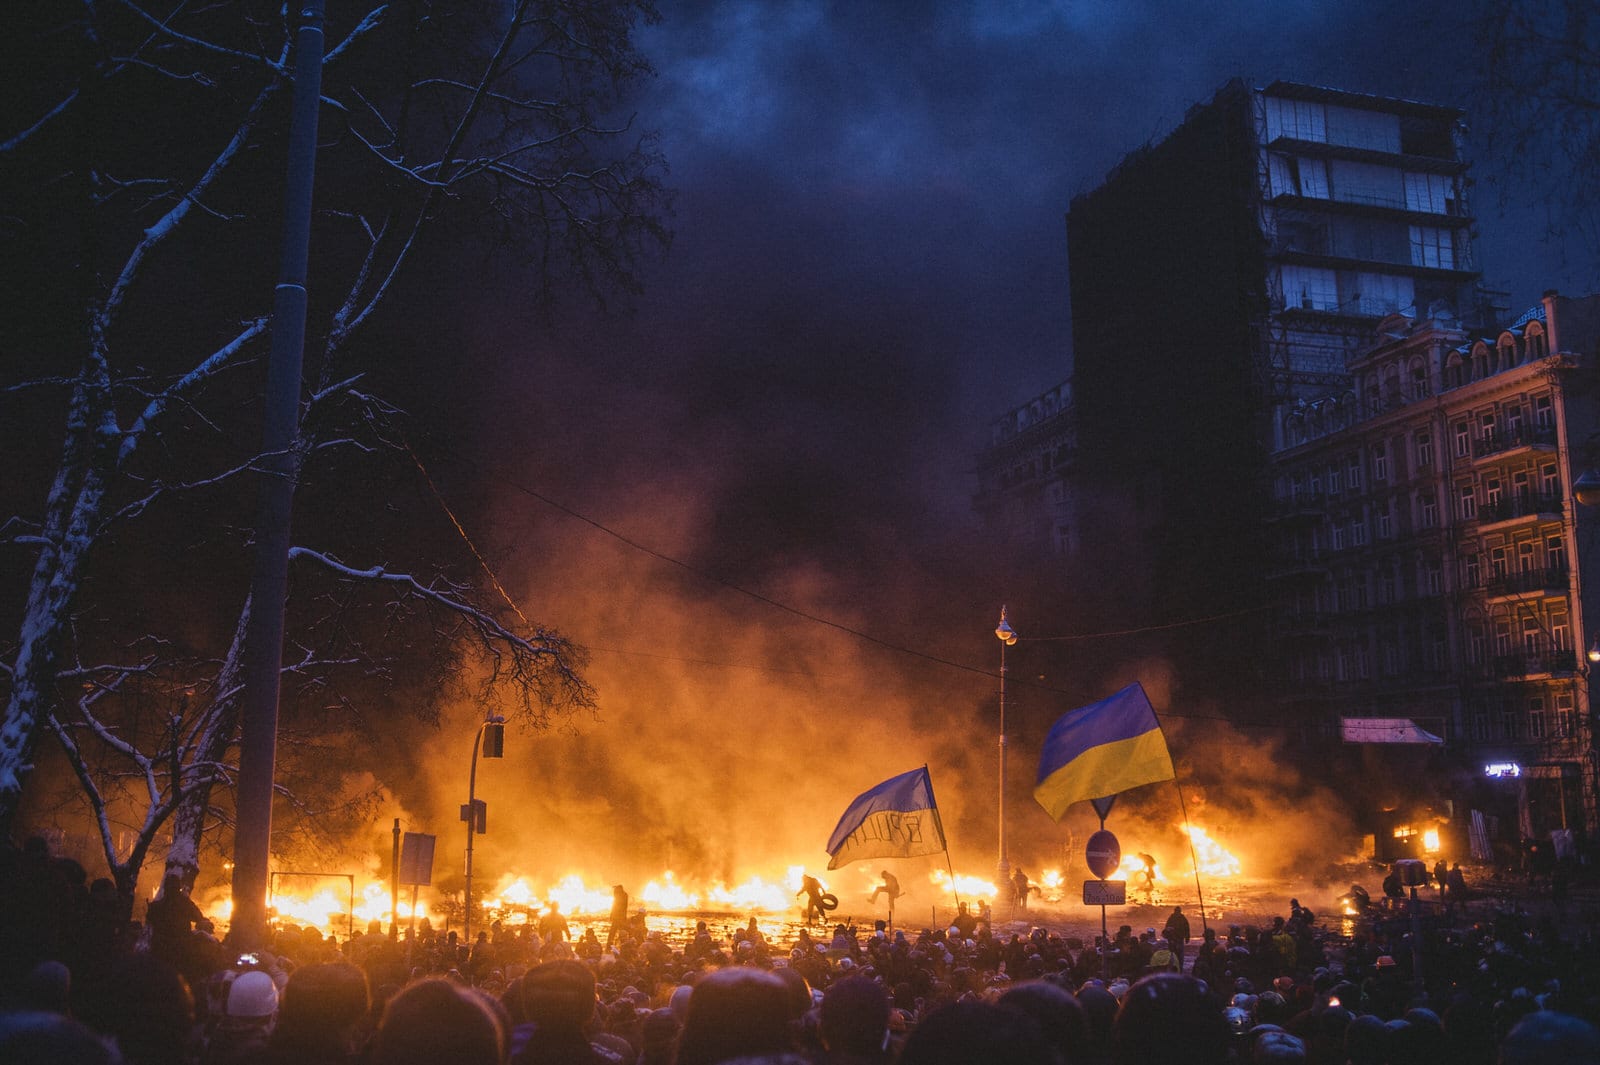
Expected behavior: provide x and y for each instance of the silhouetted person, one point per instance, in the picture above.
(811, 888)
(435, 1021)
(619, 914)
(1020, 888)
(854, 1022)
(171, 917)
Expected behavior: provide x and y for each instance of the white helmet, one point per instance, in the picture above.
(253, 994)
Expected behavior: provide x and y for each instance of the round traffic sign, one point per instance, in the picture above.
(1104, 854)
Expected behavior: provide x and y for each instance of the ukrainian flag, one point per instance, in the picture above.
(895, 819)
(1102, 749)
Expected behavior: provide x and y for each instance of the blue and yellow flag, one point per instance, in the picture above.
(1102, 749)
(896, 819)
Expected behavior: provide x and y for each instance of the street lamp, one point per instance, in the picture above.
(1007, 637)
(493, 735)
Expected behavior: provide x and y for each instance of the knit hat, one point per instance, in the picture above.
(252, 994)
(559, 994)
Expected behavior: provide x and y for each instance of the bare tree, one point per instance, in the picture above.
(155, 135)
(1538, 96)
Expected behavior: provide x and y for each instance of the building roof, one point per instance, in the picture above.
(1532, 314)
(1368, 101)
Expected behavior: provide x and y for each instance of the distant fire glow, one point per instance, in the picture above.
(1211, 859)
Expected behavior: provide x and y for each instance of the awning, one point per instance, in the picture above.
(1385, 730)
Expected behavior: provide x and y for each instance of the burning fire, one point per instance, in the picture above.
(1211, 858)
(515, 900)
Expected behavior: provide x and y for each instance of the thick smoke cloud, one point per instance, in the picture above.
(870, 264)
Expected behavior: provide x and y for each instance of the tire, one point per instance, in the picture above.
(829, 901)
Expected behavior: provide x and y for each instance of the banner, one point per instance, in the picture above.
(896, 819)
(1102, 749)
(1385, 730)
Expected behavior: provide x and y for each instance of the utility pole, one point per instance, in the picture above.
(264, 628)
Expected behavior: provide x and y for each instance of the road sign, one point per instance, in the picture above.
(1103, 853)
(416, 859)
(1105, 893)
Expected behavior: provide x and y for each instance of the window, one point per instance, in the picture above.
(1544, 415)
(1502, 638)
(1430, 510)
(1463, 435)
(1424, 449)
(1335, 480)
(1532, 637)
(1549, 481)
(1555, 554)
(1419, 381)
(1564, 714)
(1380, 463)
(1514, 423)
(1309, 288)
(1492, 493)
(1300, 120)
(1497, 561)
(1486, 426)
(1536, 718)
(1538, 343)
(1386, 585)
(1474, 571)
(1480, 724)
(1468, 508)
(1358, 531)
(1508, 723)
(1385, 521)
(1522, 488)
(1560, 633)
(1336, 537)
(1477, 644)
(1525, 557)
(1429, 192)
(1433, 577)
(1433, 247)
(1353, 472)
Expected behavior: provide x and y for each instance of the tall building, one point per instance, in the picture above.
(1227, 269)
(1025, 475)
(1430, 561)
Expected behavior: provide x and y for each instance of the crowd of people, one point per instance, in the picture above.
(83, 986)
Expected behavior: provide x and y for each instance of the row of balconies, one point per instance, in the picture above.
(1549, 579)
(1498, 668)
(1518, 505)
(1512, 437)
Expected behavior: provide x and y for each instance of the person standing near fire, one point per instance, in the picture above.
(1021, 888)
(1176, 933)
(619, 914)
(889, 887)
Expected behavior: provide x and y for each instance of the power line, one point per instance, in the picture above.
(706, 575)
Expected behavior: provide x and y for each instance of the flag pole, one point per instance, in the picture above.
(938, 823)
(1189, 831)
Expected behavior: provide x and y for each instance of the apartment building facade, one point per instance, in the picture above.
(1430, 555)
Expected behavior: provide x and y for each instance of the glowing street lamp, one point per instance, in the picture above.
(493, 735)
(1007, 637)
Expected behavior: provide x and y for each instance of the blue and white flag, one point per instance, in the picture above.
(896, 819)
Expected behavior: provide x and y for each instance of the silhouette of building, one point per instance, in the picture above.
(1429, 560)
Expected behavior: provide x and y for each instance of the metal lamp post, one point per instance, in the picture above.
(1007, 637)
(492, 733)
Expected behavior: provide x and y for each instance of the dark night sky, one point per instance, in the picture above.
(910, 164)
(870, 259)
